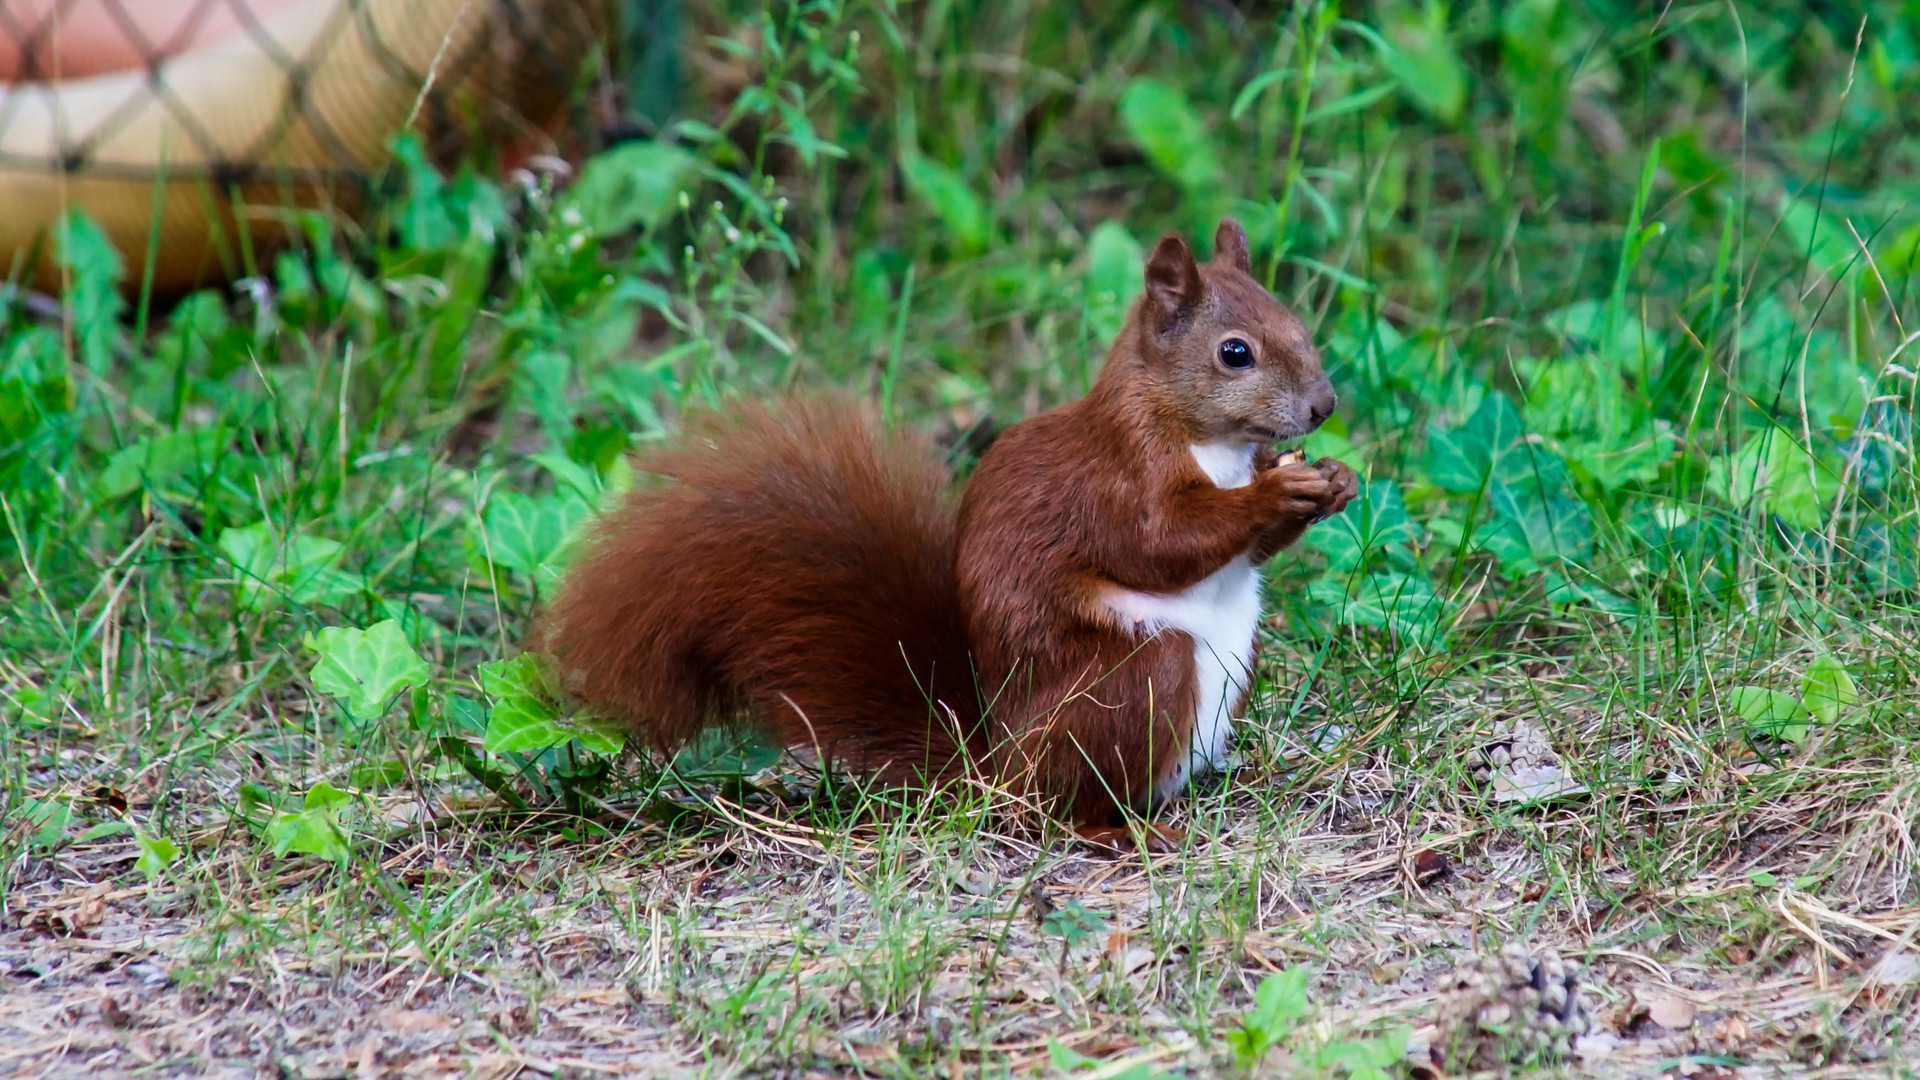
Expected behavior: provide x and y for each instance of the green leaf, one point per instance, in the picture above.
(1763, 878)
(364, 669)
(1533, 530)
(1066, 1059)
(47, 821)
(1404, 603)
(92, 296)
(1376, 523)
(1779, 474)
(1279, 1003)
(317, 829)
(156, 854)
(1365, 1059)
(951, 199)
(1159, 118)
(1827, 689)
(1425, 63)
(1769, 713)
(524, 718)
(633, 185)
(300, 567)
(1072, 923)
(157, 460)
(527, 533)
(102, 831)
(1487, 447)
(1114, 277)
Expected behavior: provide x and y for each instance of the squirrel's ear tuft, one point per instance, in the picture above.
(1230, 246)
(1173, 281)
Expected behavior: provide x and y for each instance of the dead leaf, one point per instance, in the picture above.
(1133, 960)
(1534, 783)
(1672, 1013)
(1430, 867)
(1895, 969)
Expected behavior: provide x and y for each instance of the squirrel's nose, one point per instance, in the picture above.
(1321, 405)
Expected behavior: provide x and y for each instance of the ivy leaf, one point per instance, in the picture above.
(1375, 523)
(527, 533)
(1403, 603)
(300, 567)
(1533, 530)
(1489, 446)
(525, 719)
(366, 668)
(156, 854)
(1827, 689)
(1769, 713)
(317, 829)
(1158, 116)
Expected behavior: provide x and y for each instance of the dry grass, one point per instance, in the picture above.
(1774, 898)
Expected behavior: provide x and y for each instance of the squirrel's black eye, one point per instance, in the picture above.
(1236, 353)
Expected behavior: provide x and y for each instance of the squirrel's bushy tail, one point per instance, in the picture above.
(789, 566)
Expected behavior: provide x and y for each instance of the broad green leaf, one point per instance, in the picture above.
(1403, 603)
(522, 674)
(1533, 530)
(1425, 62)
(1114, 277)
(1159, 118)
(1772, 469)
(1365, 1059)
(1375, 524)
(953, 201)
(524, 718)
(1489, 446)
(47, 821)
(300, 567)
(528, 532)
(156, 854)
(317, 829)
(1279, 1003)
(1769, 713)
(157, 460)
(366, 668)
(633, 185)
(1827, 688)
(1065, 1059)
(1625, 341)
(102, 831)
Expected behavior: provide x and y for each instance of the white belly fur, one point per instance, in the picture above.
(1221, 613)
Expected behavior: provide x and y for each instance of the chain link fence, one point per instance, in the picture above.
(180, 127)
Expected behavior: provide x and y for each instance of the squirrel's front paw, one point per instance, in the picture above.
(1342, 487)
(1303, 489)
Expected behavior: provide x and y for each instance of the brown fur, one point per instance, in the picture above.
(794, 563)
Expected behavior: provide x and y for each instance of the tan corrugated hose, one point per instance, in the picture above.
(179, 156)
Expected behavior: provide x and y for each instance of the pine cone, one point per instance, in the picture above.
(1515, 743)
(1513, 1008)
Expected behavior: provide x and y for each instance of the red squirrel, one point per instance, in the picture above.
(1081, 629)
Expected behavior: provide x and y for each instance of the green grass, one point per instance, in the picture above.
(1615, 297)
